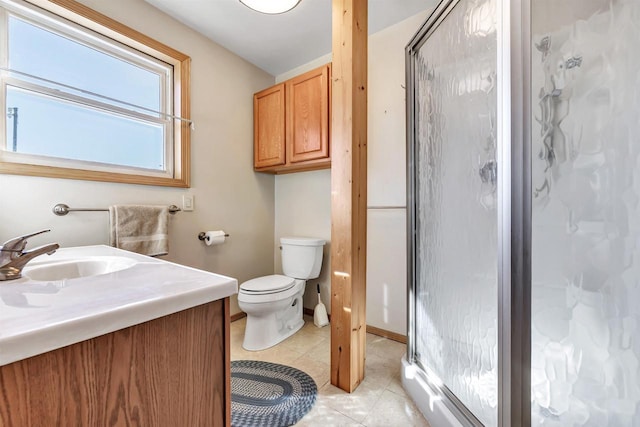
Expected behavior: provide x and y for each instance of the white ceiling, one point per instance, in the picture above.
(279, 43)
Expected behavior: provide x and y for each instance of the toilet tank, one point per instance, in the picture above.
(301, 257)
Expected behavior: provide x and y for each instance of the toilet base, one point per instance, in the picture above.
(262, 342)
(266, 328)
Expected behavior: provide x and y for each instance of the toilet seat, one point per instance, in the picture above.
(267, 285)
(268, 289)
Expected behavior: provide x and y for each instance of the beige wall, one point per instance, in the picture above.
(303, 205)
(304, 68)
(386, 198)
(303, 209)
(256, 209)
(228, 194)
(303, 200)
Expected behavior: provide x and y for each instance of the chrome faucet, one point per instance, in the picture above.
(13, 256)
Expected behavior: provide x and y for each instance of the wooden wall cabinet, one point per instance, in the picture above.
(292, 124)
(269, 127)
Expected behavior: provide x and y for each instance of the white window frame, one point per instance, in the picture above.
(81, 24)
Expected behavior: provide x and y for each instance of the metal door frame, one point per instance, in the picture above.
(514, 212)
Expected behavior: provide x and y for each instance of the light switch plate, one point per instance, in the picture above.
(187, 202)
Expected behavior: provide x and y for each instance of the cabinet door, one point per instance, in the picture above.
(308, 116)
(269, 127)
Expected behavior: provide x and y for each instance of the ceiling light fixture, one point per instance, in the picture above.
(271, 7)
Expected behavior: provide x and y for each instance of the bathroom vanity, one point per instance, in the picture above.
(129, 340)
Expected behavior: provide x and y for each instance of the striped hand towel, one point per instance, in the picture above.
(139, 228)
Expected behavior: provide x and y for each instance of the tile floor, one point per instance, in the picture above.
(379, 401)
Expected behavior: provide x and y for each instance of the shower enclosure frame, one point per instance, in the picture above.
(513, 155)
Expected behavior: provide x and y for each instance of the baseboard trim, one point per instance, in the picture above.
(237, 316)
(387, 334)
(372, 330)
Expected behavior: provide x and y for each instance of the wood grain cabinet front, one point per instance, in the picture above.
(292, 124)
(269, 127)
(170, 371)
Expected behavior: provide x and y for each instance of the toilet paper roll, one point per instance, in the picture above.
(214, 237)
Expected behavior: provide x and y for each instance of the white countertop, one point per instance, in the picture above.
(40, 316)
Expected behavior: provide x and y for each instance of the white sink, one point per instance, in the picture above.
(74, 268)
(109, 290)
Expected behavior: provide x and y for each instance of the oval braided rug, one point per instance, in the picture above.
(267, 394)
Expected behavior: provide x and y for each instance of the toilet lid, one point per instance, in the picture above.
(268, 284)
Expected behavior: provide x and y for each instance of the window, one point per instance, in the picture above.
(88, 98)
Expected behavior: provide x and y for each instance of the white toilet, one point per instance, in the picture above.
(274, 303)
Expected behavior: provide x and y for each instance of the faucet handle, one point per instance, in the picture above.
(17, 244)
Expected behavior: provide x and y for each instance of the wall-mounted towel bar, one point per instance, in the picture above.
(386, 207)
(61, 209)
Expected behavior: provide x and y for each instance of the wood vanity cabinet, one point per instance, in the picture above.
(292, 124)
(171, 371)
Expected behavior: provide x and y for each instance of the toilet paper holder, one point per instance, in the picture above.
(202, 235)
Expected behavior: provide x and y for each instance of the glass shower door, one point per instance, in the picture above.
(585, 89)
(455, 198)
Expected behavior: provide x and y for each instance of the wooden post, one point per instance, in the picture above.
(348, 193)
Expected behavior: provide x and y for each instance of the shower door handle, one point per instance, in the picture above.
(489, 172)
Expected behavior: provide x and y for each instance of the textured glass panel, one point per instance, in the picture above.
(456, 307)
(586, 213)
